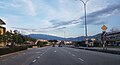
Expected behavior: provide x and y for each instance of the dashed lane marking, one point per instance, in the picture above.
(55, 51)
(34, 61)
(81, 59)
(38, 52)
(73, 55)
(38, 57)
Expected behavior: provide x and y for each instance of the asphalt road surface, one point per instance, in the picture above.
(60, 56)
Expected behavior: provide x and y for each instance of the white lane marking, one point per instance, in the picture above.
(81, 59)
(73, 55)
(44, 52)
(55, 51)
(38, 52)
(38, 57)
(34, 61)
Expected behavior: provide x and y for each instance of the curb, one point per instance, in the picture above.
(106, 51)
(100, 50)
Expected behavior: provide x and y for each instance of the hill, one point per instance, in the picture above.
(50, 37)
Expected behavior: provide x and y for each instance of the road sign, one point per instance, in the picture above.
(104, 27)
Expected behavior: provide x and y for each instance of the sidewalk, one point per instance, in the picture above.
(100, 49)
(113, 49)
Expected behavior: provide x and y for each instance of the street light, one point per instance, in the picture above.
(86, 37)
(64, 33)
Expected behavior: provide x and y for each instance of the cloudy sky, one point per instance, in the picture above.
(54, 17)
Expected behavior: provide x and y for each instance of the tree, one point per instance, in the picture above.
(13, 38)
(41, 44)
(8, 38)
(17, 38)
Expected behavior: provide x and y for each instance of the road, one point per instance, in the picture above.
(60, 56)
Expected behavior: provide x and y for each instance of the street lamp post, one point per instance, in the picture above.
(64, 34)
(86, 36)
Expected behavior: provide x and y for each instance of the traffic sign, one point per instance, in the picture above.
(104, 27)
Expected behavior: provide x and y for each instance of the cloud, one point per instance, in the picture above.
(45, 15)
(100, 23)
(29, 30)
(25, 7)
(12, 4)
(59, 23)
(59, 15)
(4, 5)
(61, 28)
(96, 16)
(26, 29)
(30, 7)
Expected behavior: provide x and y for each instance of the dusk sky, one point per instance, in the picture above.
(54, 17)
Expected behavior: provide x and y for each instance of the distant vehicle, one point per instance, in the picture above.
(53, 45)
(59, 45)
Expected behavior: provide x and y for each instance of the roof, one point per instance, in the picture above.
(114, 33)
(2, 27)
(2, 22)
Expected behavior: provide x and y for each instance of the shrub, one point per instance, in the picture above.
(12, 49)
(81, 43)
(30, 46)
(97, 44)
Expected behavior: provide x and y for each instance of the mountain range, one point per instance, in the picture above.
(50, 37)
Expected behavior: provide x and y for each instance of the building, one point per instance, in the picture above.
(2, 31)
(41, 40)
(2, 22)
(114, 38)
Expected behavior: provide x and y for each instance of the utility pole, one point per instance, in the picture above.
(85, 19)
